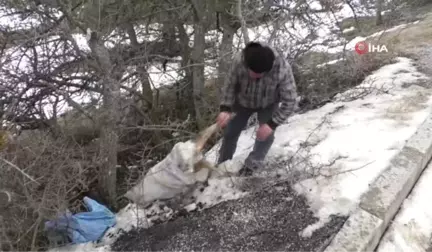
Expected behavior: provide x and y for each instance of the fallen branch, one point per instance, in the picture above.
(20, 170)
(350, 170)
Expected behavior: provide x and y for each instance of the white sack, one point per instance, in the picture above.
(169, 177)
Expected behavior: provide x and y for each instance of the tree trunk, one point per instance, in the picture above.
(379, 20)
(197, 58)
(107, 177)
(229, 27)
(142, 71)
(185, 88)
(225, 50)
(198, 72)
(150, 105)
(243, 22)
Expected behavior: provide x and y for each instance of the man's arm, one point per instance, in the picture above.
(228, 90)
(288, 94)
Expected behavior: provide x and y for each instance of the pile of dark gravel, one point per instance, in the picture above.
(268, 220)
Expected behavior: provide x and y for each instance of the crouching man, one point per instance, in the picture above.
(260, 81)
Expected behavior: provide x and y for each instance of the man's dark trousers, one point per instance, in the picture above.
(233, 130)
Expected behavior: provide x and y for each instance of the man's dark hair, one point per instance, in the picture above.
(258, 58)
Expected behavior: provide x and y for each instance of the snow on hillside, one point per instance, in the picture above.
(10, 21)
(364, 134)
(357, 138)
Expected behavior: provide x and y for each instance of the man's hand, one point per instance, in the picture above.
(264, 131)
(223, 118)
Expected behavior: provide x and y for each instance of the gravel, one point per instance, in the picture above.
(271, 219)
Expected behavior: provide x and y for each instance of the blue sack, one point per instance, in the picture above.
(83, 227)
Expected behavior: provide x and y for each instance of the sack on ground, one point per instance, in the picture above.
(170, 177)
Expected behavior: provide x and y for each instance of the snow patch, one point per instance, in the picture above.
(219, 190)
(352, 28)
(378, 127)
(81, 41)
(350, 45)
(12, 20)
(412, 227)
(332, 62)
(395, 28)
(85, 247)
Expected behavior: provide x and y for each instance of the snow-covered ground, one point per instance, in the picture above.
(355, 138)
(411, 229)
(350, 46)
(358, 138)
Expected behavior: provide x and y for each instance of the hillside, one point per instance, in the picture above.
(323, 160)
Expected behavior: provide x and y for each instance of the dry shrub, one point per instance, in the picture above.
(317, 84)
(60, 174)
(398, 4)
(79, 128)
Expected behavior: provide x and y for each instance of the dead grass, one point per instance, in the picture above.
(403, 41)
(314, 58)
(367, 25)
(409, 39)
(318, 85)
(46, 177)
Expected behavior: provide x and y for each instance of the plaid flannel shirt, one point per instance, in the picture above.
(276, 86)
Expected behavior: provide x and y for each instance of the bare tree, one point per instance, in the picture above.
(229, 25)
(379, 6)
(200, 23)
(110, 118)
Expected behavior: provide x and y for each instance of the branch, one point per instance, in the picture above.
(295, 12)
(242, 22)
(70, 101)
(67, 13)
(10, 110)
(348, 2)
(18, 169)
